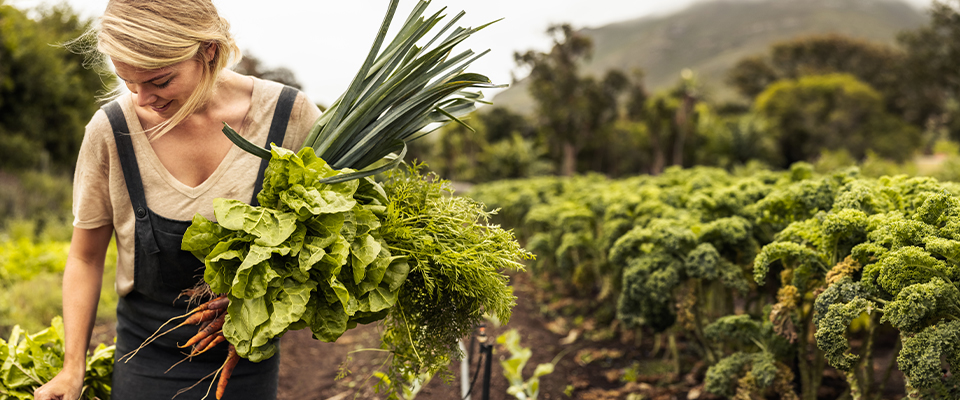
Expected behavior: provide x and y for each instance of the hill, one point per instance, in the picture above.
(711, 36)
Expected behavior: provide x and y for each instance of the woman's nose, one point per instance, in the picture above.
(144, 97)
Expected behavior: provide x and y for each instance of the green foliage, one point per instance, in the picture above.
(573, 108)
(42, 200)
(46, 95)
(528, 389)
(874, 63)
(844, 245)
(834, 111)
(732, 140)
(832, 327)
(919, 306)
(30, 360)
(456, 257)
(931, 51)
(754, 366)
(748, 374)
(28, 263)
(921, 358)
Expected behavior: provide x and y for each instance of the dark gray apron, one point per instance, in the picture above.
(161, 272)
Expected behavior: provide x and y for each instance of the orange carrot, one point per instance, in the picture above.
(232, 359)
(202, 345)
(214, 326)
(194, 319)
(219, 338)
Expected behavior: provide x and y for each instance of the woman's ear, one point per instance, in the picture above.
(210, 50)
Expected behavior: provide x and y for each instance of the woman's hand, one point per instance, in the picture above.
(67, 385)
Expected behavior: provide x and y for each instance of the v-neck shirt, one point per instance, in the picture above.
(99, 190)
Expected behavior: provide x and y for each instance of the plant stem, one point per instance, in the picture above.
(889, 370)
(855, 392)
(867, 366)
(676, 355)
(657, 344)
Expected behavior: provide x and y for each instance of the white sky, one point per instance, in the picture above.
(324, 42)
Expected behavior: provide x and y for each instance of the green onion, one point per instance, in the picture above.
(399, 94)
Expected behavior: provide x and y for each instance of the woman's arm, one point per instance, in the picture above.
(82, 278)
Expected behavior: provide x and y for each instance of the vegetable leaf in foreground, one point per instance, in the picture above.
(455, 257)
(28, 361)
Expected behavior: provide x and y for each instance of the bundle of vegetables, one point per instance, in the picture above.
(330, 248)
(29, 361)
(310, 256)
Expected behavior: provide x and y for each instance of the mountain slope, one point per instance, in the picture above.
(710, 37)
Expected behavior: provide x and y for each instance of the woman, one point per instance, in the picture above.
(150, 161)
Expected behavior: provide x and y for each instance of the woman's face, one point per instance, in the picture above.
(161, 91)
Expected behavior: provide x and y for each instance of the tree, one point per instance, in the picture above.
(46, 94)
(834, 111)
(930, 67)
(501, 123)
(879, 65)
(572, 108)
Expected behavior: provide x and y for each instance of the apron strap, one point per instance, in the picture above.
(278, 129)
(131, 175)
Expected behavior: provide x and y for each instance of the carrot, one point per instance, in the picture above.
(214, 326)
(219, 338)
(232, 359)
(194, 319)
(201, 317)
(207, 343)
(217, 303)
(202, 344)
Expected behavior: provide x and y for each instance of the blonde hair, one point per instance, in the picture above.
(154, 34)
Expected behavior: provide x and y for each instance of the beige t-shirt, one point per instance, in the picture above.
(100, 193)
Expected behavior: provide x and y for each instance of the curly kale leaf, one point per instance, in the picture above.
(864, 196)
(790, 253)
(736, 328)
(843, 230)
(646, 297)
(903, 267)
(919, 305)
(938, 209)
(842, 291)
(946, 248)
(921, 358)
(705, 262)
(800, 200)
(909, 193)
(832, 328)
(894, 231)
(673, 236)
(726, 232)
(723, 378)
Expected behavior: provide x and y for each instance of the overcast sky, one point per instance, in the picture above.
(324, 42)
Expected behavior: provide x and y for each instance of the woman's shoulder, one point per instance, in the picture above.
(267, 91)
(98, 130)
